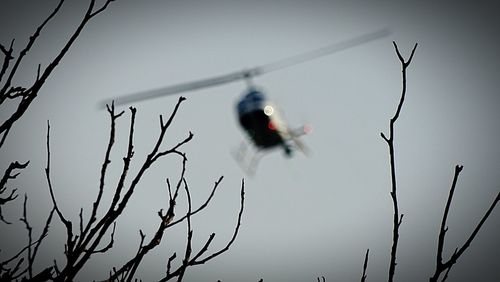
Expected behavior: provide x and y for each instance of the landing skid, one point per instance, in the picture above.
(247, 158)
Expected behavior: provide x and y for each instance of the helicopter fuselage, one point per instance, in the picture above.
(261, 122)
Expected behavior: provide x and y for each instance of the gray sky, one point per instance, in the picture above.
(304, 217)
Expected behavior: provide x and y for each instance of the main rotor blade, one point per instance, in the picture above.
(248, 73)
(175, 89)
(324, 51)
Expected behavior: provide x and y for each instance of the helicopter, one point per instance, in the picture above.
(266, 128)
(258, 116)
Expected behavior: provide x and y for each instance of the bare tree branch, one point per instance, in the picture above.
(203, 206)
(24, 96)
(365, 264)
(126, 161)
(29, 229)
(26, 49)
(397, 218)
(7, 58)
(11, 273)
(169, 263)
(67, 223)
(443, 229)
(28, 94)
(235, 234)
(196, 259)
(80, 248)
(128, 270)
(111, 242)
(32, 252)
(107, 161)
(188, 249)
(45, 232)
(88, 240)
(446, 266)
(3, 182)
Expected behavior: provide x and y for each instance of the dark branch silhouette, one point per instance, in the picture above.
(441, 266)
(3, 185)
(365, 265)
(94, 234)
(197, 259)
(18, 98)
(447, 265)
(33, 247)
(127, 271)
(26, 94)
(397, 218)
(12, 273)
(80, 248)
(88, 237)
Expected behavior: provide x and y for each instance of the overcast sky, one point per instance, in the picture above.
(304, 217)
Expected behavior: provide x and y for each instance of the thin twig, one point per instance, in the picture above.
(128, 270)
(67, 223)
(397, 218)
(169, 263)
(443, 229)
(126, 160)
(31, 92)
(235, 233)
(195, 260)
(87, 246)
(6, 62)
(446, 266)
(26, 49)
(40, 239)
(106, 162)
(202, 206)
(4, 136)
(29, 229)
(3, 182)
(188, 249)
(110, 244)
(19, 253)
(365, 264)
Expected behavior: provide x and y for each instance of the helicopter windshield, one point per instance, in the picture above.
(252, 101)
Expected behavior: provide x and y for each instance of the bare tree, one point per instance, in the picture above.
(397, 217)
(89, 237)
(25, 95)
(20, 98)
(88, 240)
(446, 266)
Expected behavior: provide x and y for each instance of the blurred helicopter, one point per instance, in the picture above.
(266, 129)
(259, 117)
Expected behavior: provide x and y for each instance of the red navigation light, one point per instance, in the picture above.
(271, 126)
